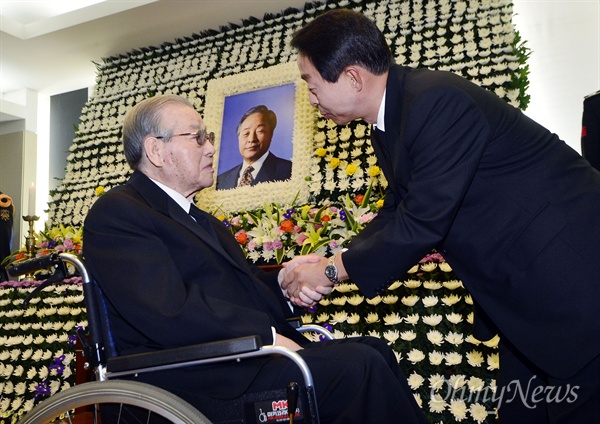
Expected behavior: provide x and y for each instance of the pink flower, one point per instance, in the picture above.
(300, 239)
(69, 245)
(277, 244)
(333, 244)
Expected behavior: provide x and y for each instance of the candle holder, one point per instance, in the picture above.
(30, 239)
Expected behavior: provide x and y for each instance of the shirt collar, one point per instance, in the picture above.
(381, 114)
(181, 200)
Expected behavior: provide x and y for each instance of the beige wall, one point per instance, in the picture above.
(18, 161)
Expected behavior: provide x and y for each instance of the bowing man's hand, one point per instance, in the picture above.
(304, 280)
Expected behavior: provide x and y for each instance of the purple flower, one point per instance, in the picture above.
(226, 223)
(42, 389)
(277, 244)
(72, 339)
(343, 215)
(58, 364)
(288, 213)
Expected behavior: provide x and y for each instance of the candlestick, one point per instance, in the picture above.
(30, 239)
(31, 208)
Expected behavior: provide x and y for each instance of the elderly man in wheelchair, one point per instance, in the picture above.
(173, 276)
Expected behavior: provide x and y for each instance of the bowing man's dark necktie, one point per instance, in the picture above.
(246, 177)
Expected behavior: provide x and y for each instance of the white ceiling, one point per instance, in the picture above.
(49, 49)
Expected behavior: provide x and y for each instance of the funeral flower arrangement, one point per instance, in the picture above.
(37, 344)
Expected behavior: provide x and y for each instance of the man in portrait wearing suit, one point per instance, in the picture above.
(174, 275)
(255, 133)
(512, 208)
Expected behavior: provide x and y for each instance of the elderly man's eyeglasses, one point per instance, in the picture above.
(201, 137)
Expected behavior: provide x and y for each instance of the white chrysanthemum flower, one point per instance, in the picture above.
(428, 266)
(392, 319)
(394, 285)
(339, 317)
(356, 300)
(458, 408)
(432, 285)
(454, 318)
(339, 301)
(372, 318)
(391, 336)
(408, 335)
(322, 317)
(435, 337)
(415, 380)
(475, 384)
(389, 299)
(413, 270)
(353, 319)
(454, 338)
(374, 300)
(410, 301)
(478, 412)
(415, 356)
(432, 320)
(493, 342)
(412, 284)
(453, 358)
(493, 362)
(457, 381)
(436, 358)
(430, 301)
(452, 284)
(412, 319)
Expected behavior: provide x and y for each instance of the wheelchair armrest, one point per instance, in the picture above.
(181, 355)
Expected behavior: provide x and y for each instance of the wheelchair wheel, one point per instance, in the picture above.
(114, 402)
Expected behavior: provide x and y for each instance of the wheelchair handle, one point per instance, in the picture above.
(28, 266)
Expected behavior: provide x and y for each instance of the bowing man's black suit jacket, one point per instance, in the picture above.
(168, 283)
(511, 207)
(273, 169)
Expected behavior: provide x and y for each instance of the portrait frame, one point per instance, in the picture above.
(300, 126)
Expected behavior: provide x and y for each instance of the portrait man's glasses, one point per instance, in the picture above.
(202, 137)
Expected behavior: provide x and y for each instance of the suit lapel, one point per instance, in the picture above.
(161, 202)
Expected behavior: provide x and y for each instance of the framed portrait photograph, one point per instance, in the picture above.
(263, 125)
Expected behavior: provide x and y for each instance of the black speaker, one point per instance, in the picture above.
(590, 130)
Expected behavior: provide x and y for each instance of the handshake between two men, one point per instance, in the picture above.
(305, 280)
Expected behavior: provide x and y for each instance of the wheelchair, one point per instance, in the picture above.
(110, 400)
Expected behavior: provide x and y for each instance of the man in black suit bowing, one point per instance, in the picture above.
(173, 275)
(255, 134)
(511, 207)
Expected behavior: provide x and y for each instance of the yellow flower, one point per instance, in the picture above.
(374, 171)
(321, 152)
(334, 163)
(379, 203)
(220, 217)
(351, 169)
(99, 190)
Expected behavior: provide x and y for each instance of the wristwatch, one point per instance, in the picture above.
(331, 271)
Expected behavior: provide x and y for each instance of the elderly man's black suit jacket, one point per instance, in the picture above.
(512, 208)
(169, 283)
